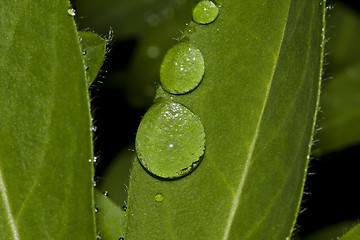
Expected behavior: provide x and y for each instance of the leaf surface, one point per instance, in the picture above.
(94, 49)
(46, 189)
(340, 115)
(110, 219)
(353, 234)
(257, 102)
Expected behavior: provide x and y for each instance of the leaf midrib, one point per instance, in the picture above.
(248, 162)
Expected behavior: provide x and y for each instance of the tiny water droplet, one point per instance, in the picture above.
(98, 236)
(121, 238)
(84, 52)
(106, 193)
(96, 210)
(159, 197)
(182, 68)
(86, 68)
(205, 12)
(90, 160)
(95, 159)
(71, 12)
(93, 128)
(170, 141)
(124, 208)
(94, 184)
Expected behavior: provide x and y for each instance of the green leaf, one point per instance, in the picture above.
(94, 49)
(46, 180)
(116, 177)
(257, 102)
(110, 219)
(353, 234)
(340, 116)
(331, 232)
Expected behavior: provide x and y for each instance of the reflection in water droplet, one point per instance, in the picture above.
(170, 140)
(96, 210)
(205, 12)
(106, 193)
(159, 197)
(152, 52)
(71, 12)
(182, 69)
(84, 52)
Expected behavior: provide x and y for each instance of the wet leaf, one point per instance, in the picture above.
(46, 189)
(257, 102)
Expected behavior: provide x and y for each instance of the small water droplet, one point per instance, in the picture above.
(182, 69)
(205, 12)
(96, 210)
(93, 128)
(95, 159)
(94, 184)
(121, 238)
(90, 160)
(98, 236)
(170, 140)
(152, 52)
(84, 52)
(71, 12)
(86, 68)
(124, 208)
(106, 193)
(159, 197)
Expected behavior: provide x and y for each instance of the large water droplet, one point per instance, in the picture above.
(170, 140)
(205, 12)
(159, 197)
(182, 69)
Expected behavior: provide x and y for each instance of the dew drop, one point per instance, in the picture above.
(170, 141)
(121, 238)
(182, 68)
(71, 12)
(159, 197)
(96, 210)
(106, 193)
(205, 12)
(86, 68)
(84, 52)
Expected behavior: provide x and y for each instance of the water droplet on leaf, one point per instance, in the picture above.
(159, 197)
(182, 69)
(106, 193)
(96, 210)
(71, 12)
(170, 140)
(205, 12)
